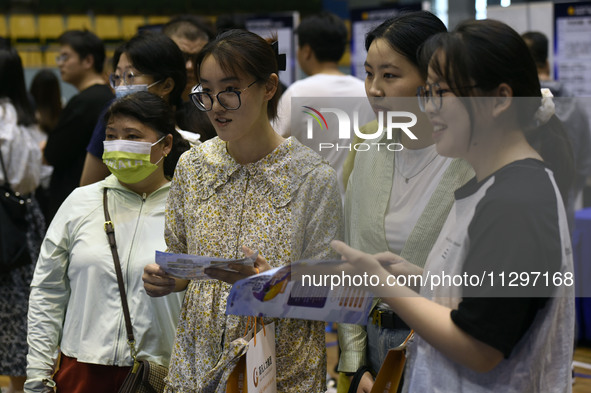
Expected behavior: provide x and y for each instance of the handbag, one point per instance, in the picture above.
(14, 250)
(255, 371)
(145, 376)
(390, 374)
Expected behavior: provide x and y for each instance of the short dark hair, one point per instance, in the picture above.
(154, 112)
(406, 32)
(12, 85)
(241, 51)
(85, 43)
(191, 27)
(538, 46)
(154, 54)
(487, 53)
(326, 34)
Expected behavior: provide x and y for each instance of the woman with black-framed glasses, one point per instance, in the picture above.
(433, 93)
(229, 98)
(477, 331)
(247, 187)
(147, 62)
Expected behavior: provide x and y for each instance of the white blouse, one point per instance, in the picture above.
(21, 153)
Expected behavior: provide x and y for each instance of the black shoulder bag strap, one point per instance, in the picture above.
(6, 181)
(110, 230)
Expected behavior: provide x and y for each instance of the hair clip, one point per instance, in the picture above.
(546, 109)
(281, 58)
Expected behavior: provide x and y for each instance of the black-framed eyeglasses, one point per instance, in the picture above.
(434, 93)
(229, 99)
(127, 78)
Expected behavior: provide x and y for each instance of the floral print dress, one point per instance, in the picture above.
(287, 206)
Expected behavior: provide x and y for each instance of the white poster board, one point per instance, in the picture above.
(572, 46)
(281, 24)
(528, 17)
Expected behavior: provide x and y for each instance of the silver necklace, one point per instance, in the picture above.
(407, 178)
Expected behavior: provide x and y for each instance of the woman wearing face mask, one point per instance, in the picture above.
(75, 303)
(395, 200)
(147, 62)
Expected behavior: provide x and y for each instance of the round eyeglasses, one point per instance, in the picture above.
(229, 99)
(434, 93)
(127, 78)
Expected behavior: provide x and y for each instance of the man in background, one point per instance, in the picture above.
(81, 60)
(572, 115)
(322, 39)
(191, 34)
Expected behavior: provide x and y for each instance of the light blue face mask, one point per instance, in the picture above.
(123, 90)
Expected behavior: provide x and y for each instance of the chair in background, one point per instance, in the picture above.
(108, 28)
(23, 28)
(158, 19)
(3, 26)
(79, 22)
(50, 27)
(130, 24)
(50, 54)
(31, 55)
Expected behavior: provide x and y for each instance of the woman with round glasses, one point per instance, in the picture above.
(395, 200)
(247, 187)
(147, 62)
(506, 321)
(229, 99)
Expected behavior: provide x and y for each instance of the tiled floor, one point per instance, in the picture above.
(582, 381)
(582, 374)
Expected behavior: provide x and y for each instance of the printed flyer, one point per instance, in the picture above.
(191, 267)
(274, 294)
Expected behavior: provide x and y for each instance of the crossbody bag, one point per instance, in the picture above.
(144, 376)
